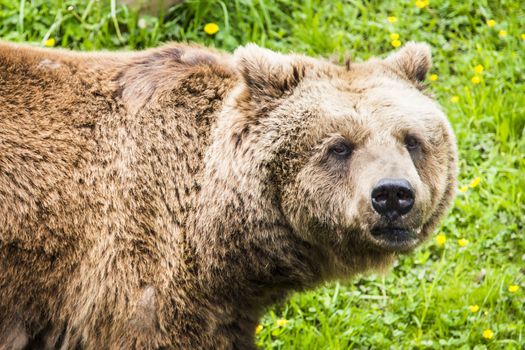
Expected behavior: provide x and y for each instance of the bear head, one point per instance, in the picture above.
(358, 161)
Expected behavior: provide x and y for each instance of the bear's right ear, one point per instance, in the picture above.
(413, 61)
(267, 74)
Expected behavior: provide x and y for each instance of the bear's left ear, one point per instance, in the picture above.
(413, 61)
(268, 74)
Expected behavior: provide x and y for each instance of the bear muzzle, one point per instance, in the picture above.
(392, 199)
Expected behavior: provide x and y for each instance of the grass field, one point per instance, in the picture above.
(465, 289)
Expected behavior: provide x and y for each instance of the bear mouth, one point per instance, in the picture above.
(397, 239)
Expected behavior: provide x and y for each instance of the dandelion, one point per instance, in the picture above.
(488, 334)
(142, 24)
(392, 19)
(258, 329)
(502, 33)
(282, 322)
(441, 239)
(463, 242)
(479, 69)
(522, 36)
(49, 42)
(422, 3)
(394, 36)
(514, 288)
(454, 99)
(211, 28)
(491, 23)
(475, 80)
(433, 77)
(463, 189)
(473, 308)
(396, 43)
(474, 182)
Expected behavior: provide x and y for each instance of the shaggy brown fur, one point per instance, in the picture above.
(163, 199)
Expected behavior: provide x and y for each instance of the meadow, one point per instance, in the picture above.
(465, 288)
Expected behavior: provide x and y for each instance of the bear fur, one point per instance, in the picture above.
(164, 199)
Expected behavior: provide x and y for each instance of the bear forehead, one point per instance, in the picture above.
(371, 104)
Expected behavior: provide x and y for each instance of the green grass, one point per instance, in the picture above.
(424, 302)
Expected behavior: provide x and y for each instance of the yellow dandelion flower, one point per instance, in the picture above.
(49, 42)
(488, 334)
(479, 68)
(422, 3)
(491, 23)
(258, 329)
(394, 36)
(473, 308)
(433, 77)
(463, 242)
(463, 189)
(522, 36)
(396, 43)
(211, 28)
(441, 239)
(514, 288)
(392, 19)
(475, 80)
(474, 182)
(282, 322)
(502, 33)
(454, 99)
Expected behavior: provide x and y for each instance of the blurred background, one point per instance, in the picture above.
(465, 289)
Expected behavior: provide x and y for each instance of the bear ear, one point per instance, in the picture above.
(268, 74)
(413, 60)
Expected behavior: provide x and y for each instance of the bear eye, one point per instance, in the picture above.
(341, 149)
(411, 143)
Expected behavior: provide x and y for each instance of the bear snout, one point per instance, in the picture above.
(392, 198)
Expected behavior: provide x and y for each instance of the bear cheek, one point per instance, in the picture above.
(315, 205)
(298, 208)
(434, 174)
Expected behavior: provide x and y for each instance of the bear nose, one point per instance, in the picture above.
(392, 197)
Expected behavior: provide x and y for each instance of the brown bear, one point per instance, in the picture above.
(163, 199)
